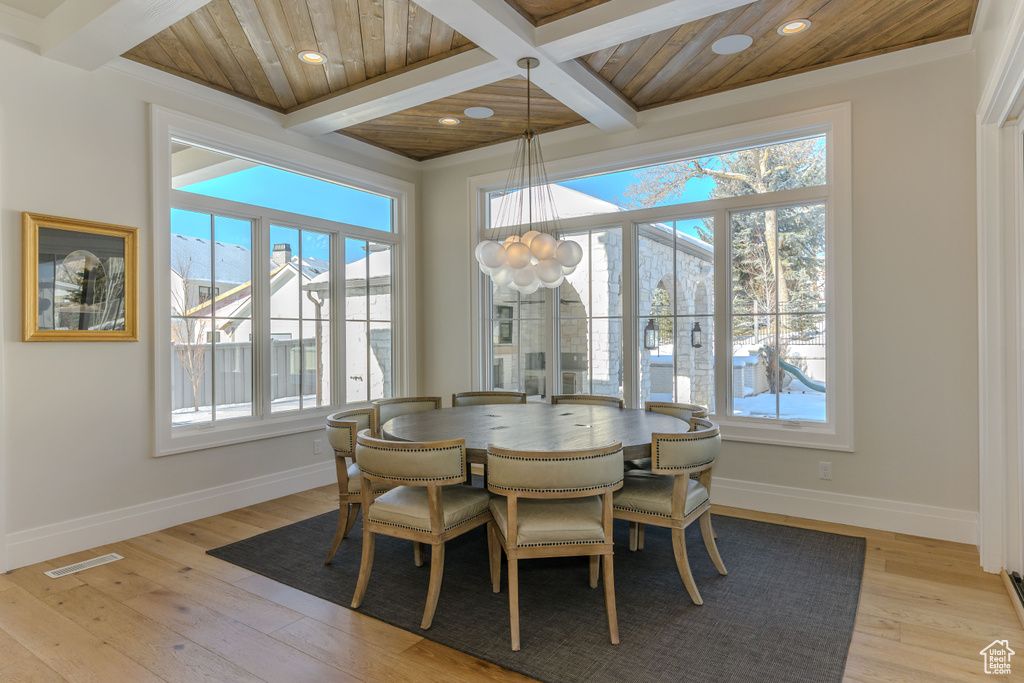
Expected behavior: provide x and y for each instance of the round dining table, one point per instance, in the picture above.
(535, 427)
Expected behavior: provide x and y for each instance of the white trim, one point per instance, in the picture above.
(165, 124)
(835, 122)
(54, 540)
(948, 524)
(1000, 235)
(4, 555)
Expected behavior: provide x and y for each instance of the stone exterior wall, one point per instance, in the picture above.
(591, 325)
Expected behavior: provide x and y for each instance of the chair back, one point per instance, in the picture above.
(554, 474)
(682, 411)
(482, 398)
(411, 463)
(687, 452)
(343, 426)
(388, 408)
(589, 399)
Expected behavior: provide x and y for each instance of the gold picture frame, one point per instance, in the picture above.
(80, 280)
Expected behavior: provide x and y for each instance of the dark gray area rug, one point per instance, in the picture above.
(785, 612)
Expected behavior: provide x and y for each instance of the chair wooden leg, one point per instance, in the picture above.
(494, 557)
(369, 543)
(595, 568)
(434, 591)
(609, 599)
(338, 535)
(640, 535)
(353, 513)
(634, 534)
(513, 601)
(683, 564)
(709, 542)
(417, 553)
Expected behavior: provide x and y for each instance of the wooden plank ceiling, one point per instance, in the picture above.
(250, 48)
(416, 132)
(677, 64)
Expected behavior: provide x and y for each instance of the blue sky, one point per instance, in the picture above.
(285, 191)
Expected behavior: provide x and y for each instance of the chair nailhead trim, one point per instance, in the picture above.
(417, 528)
(539, 545)
(385, 476)
(578, 457)
(646, 512)
(688, 467)
(584, 488)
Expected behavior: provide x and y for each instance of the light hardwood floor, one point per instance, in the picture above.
(170, 612)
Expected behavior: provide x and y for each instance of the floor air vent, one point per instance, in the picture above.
(79, 566)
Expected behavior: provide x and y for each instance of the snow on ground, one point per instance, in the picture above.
(803, 407)
(186, 416)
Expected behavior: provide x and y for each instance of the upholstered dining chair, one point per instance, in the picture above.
(481, 398)
(388, 408)
(669, 496)
(589, 399)
(553, 504)
(342, 428)
(422, 508)
(682, 411)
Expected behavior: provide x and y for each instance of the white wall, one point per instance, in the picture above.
(915, 288)
(79, 416)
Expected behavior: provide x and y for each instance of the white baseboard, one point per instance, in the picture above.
(948, 524)
(54, 540)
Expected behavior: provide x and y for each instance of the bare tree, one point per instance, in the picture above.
(776, 264)
(188, 331)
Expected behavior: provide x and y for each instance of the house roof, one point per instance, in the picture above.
(190, 259)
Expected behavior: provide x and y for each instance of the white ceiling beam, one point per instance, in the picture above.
(21, 26)
(90, 33)
(619, 21)
(412, 88)
(506, 34)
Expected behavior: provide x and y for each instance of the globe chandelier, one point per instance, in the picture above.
(528, 253)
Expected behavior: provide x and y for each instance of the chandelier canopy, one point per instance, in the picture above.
(528, 253)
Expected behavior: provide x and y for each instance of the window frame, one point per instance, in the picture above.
(831, 121)
(168, 124)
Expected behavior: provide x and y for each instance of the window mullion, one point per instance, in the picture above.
(723, 313)
(261, 313)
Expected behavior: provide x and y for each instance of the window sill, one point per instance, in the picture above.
(806, 435)
(189, 438)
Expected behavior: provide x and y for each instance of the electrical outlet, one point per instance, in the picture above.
(318, 446)
(824, 470)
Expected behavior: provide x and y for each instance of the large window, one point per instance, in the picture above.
(281, 298)
(717, 278)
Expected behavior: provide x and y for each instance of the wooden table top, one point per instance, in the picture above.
(535, 427)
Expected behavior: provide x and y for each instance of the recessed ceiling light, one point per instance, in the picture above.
(479, 112)
(449, 121)
(312, 57)
(730, 45)
(791, 28)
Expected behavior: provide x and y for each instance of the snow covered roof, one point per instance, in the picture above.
(234, 262)
(568, 203)
(192, 254)
(380, 266)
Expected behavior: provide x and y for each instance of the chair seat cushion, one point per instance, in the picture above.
(353, 481)
(559, 521)
(406, 506)
(644, 491)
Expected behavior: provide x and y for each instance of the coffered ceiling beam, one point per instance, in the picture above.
(90, 33)
(619, 21)
(506, 34)
(412, 88)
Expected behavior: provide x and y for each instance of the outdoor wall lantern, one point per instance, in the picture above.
(650, 335)
(696, 336)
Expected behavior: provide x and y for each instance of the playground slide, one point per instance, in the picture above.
(796, 372)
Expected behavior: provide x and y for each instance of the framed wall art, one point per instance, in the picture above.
(79, 280)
